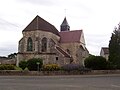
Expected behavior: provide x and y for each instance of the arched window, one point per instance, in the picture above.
(29, 44)
(44, 44)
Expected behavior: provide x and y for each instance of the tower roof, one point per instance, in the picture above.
(65, 23)
(39, 23)
(64, 26)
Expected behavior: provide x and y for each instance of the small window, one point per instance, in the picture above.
(56, 58)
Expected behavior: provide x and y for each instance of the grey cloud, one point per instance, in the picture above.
(5, 52)
(7, 49)
(4, 22)
(7, 26)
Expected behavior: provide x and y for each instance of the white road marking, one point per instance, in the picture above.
(115, 86)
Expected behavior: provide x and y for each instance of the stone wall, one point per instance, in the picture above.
(37, 36)
(43, 73)
(77, 53)
(48, 57)
(8, 61)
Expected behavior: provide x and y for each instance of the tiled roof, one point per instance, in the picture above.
(62, 51)
(70, 36)
(39, 23)
(106, 50)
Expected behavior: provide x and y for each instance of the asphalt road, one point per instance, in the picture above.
(85, 82)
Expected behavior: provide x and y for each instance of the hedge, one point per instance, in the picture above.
(7, 67)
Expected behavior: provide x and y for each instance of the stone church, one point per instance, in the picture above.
(42, 40)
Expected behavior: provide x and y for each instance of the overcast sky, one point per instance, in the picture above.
(97, 19)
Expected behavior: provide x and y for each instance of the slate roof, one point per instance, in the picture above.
(39, 23)
(64, 23)
(70, 36)
(106, 50)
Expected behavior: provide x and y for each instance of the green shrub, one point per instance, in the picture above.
(7, 67)
(96, 63)
(32, 64)
(2, 67)
(51, 67)
(23, 64)
(111, 66)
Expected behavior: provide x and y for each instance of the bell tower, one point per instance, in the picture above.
(64, 26)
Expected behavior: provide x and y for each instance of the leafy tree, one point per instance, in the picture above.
(32, 64)
(96, 62)
(23, 64)
(12, 55)
(114, 47)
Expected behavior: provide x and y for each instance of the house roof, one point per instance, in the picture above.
(70, 36)
(39, 23)
(106, 50)
(62, 51)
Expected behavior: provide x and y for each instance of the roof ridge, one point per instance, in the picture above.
(45, 20)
